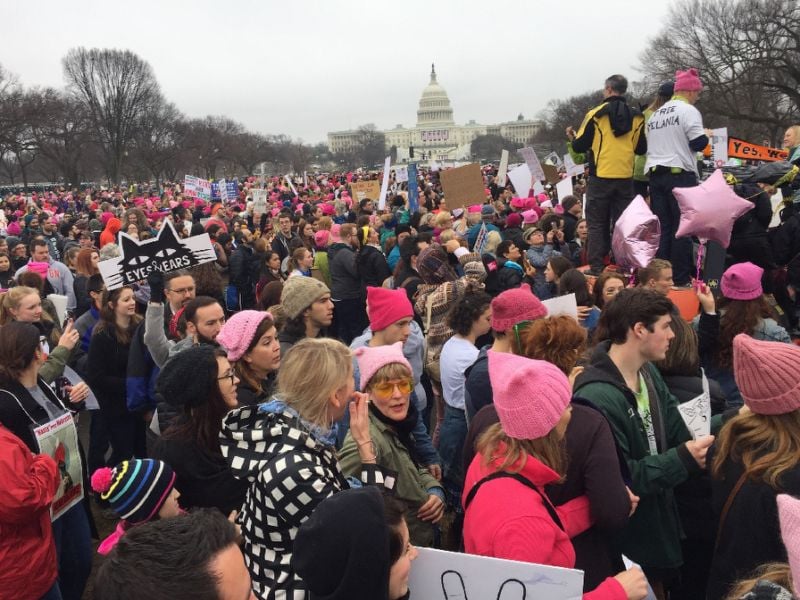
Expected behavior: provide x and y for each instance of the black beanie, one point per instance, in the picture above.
(342, 551)
(187, 378)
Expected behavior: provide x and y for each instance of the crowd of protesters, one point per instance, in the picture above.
(349, 380)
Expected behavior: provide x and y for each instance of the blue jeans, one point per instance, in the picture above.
(452, 435)
(74, 551)
(662, 202)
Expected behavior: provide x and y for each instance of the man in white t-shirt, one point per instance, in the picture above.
(674, 135)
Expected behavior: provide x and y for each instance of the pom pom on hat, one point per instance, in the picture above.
(385, 307)
(136, 489)
(373, 359)
(101, 479)
(530, 395)
(514, 306)
(767, 374)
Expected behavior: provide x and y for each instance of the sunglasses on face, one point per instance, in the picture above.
(385, 389)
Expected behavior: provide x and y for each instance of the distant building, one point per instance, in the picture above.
(436, 135)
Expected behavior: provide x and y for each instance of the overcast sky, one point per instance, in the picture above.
(304, 67)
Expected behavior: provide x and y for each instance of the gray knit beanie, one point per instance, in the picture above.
(300, 292)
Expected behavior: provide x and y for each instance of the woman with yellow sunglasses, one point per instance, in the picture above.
(386, 376)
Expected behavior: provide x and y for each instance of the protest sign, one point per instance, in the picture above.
(400, 174)
(501, 172)
(259, 204)
(719, 146)
(521, 180)
(571, 168)
(387, 165)
(538, 188)
(291, 185)
(454, 575)
(530, 158)
(413, 188)
(696, 413)
(562, 305)
(194, 187)
(553, 159)
(166, 252)
(59, 439)
(564, 188)
(740, 149)
(463, 186)
(365, 189)
(551, 174)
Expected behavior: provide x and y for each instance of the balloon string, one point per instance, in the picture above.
(701, 250)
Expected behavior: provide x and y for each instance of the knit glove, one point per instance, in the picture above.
(156, 282)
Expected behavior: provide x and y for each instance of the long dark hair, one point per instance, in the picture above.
(573, 281)
(242, 367)
(739, 316)
(19, 342)
(108, 320)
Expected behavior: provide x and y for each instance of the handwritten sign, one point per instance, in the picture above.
(194, 187)
(166, 252)
(463, 186)
(59, 439)
(440, 575)
(529, 156)
(503, 169)
(696, 413)
(571, 168)
(719, 146)
(259, 204)
(365, 189)
(401, 174)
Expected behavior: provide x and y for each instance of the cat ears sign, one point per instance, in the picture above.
(166, 252)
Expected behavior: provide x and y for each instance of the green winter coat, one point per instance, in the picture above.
(412, 484)
(653, 535)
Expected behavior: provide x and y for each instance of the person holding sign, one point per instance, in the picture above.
(507, 513)
(757, 456)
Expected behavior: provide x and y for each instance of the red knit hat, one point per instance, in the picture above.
(514, 306)
(385, 306)
(529, 395)
(768, 375)
(688, 81)
(514, 220)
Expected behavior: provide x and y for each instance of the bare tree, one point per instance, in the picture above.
(116, 86)
(159, 138)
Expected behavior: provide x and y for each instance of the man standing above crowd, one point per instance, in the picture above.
(610, 135)
(674, 135)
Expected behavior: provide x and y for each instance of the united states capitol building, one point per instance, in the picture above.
(436, 135)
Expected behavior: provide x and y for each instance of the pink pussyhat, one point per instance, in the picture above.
(789, 517)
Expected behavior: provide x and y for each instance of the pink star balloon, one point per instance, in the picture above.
(709, 210)
(636, 235)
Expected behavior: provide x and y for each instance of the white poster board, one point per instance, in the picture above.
(564, 188)
(59, 440)
(538, 188)
(530, 158)
(440, 575)
(521, 180)
(503, 170)
(571, 168)
(194, 187)
(387, 165)
(259, 204)
(401, 174)
(562, 305)
(719, 146)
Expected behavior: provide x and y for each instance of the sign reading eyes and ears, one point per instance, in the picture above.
(166, 252)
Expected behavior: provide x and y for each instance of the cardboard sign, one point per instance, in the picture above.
(387, 165)
(551, 174)
(696, 413)
(529, 156)
(59, 439)
(463, 186)
(166, 252)
(521, 180)
(503, 169)
(194, 187)
(562, 305)
(457, 576)
(365, 189)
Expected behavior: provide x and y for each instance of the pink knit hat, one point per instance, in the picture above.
(40, 268)
(385, 306)
(789, 517)
(373, 359)
(238, 332)
(768, 374)
(530, 217)
(529, 395)
(518, 203)
(514, 306)
(742, 281)
(687, 81)
(321, 239)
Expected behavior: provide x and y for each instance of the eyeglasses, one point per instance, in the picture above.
(385, 390)
(229, 375)
(518, 328)
(183, 291)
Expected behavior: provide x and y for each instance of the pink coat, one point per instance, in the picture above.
(508, 520)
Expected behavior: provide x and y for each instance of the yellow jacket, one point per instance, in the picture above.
(610, 155)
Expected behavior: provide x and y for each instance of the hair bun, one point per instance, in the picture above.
(101, 479)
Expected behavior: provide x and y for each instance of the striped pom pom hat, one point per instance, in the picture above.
(136, 489)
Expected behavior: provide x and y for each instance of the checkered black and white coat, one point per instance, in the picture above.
(289, 473)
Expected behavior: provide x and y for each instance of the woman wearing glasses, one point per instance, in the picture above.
(386, 376)
(201, 384)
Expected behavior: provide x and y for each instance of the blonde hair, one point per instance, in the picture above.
(778, 573)
(324, 223)
(766, 445)
(795, 129)
(493, 240)
(331, 363)
(11, 299)
(442, 220)
(549, 450)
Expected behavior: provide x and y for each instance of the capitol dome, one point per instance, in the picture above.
(434, 105)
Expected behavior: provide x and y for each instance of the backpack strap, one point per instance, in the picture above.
(524, 481)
